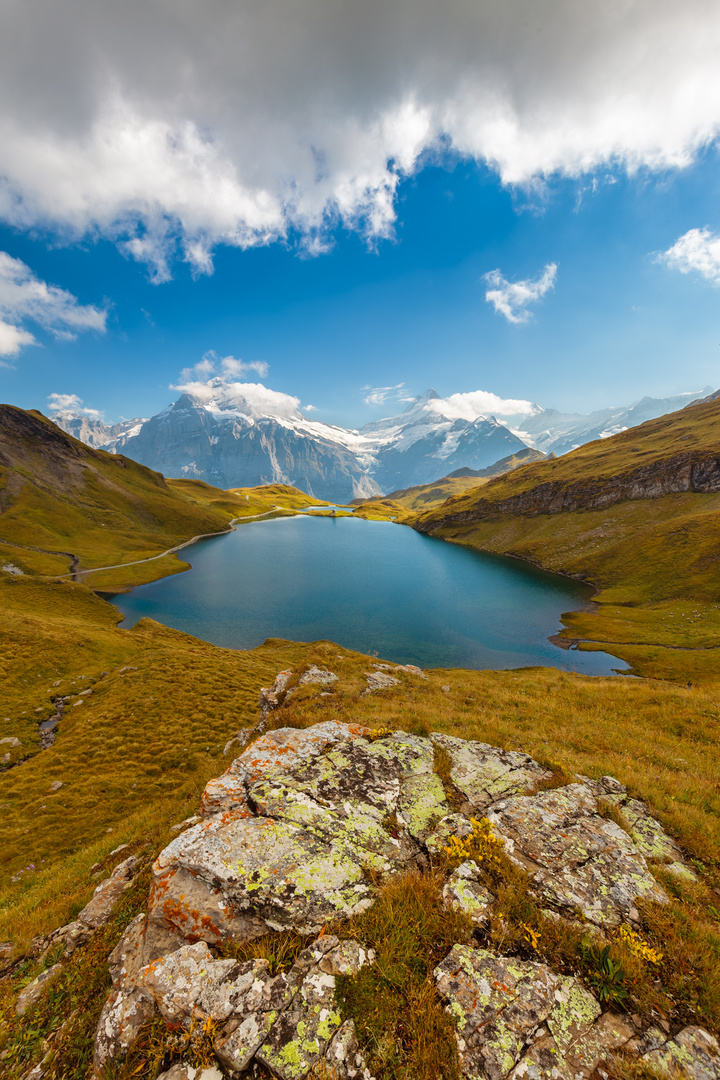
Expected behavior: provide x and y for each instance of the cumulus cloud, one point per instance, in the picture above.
(180, 126)
(24, 297)
(223, 366)
(698, 250)
(67, 405)
(512, 298)
(12, 339)
(480, 403)
(222, 394)
(380, 395)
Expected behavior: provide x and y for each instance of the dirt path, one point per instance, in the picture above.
(80, 575)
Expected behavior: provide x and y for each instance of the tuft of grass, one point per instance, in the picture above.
(399, 1020)
(279, 949)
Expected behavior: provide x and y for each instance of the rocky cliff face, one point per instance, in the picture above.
(302, 831)
(234, 449)
(684, 472)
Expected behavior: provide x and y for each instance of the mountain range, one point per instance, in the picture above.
(230, 441)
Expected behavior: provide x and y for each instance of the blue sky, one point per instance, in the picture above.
(387, 288)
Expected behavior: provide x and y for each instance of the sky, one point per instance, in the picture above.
(348, 203)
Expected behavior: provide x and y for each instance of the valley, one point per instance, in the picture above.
(147, 715)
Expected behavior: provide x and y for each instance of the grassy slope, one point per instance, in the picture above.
(654, 561)
(64, 498)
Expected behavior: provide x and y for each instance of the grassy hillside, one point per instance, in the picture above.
(66, 507)
(655, 560)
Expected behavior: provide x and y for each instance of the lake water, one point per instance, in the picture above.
(372, 586)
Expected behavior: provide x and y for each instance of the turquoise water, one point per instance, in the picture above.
(372, 586)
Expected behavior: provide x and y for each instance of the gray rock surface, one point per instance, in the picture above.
(518, 1019)
(34, 990)
(379, 680)
(484, 774)
(693, 1052)
(578, 860)
(318, 676)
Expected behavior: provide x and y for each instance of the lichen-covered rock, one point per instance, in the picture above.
(35, 989)
(484, 774)
(578, 860)
(693, 1053)
(317, 676)
(517, 1019)
(301, 1035)
(286, 1020)
(464, 892)
(273, 751)
(644, 830)
(301, 829)
(496, 1005)
(379, 680)
(123, 1015)
(314, 822)
(343, 1059)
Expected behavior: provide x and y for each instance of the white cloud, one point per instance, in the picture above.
(25, 297)
(380, 395)
(697, 249)
(167, 126)
(67, 405)
(254, 399)
(511, 298)
(12, 339)
(480, 403)
(225, 366)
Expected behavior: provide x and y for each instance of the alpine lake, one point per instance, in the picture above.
(375, 587)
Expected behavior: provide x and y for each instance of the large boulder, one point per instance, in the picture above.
(300, 831)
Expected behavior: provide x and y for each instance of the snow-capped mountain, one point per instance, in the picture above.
(556, 433)
(229, 441)
(95, 432)
(421, 444)
(239, 435)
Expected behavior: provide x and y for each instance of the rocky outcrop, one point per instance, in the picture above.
(683, 472)
(301, 831)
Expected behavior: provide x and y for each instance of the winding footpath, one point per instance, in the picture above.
(80, 575)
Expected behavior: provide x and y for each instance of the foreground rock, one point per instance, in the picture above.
(517, 1018)
(301, 830)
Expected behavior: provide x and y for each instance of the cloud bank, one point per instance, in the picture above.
(24, 297)
(175, 127)
(480, 403)
(512, 298)
(697, 250)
